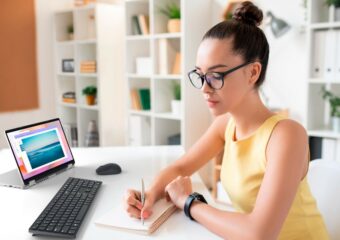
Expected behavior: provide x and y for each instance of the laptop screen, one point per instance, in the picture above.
(39, 148)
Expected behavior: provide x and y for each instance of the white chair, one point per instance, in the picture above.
(324, 180)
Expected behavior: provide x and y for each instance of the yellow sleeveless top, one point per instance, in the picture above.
(243, 168)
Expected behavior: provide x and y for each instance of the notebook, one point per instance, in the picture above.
(119, 219)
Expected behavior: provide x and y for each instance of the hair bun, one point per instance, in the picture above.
(248, 13)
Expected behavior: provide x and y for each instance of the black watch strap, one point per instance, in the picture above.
(192, 197)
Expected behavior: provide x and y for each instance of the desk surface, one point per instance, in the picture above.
(19, 208)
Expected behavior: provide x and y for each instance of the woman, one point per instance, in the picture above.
(265, 158)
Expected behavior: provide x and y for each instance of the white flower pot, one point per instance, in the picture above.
(336, 124)
(176, 107)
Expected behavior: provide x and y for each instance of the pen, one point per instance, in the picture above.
(143, 199)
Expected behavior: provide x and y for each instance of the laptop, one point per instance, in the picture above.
(40, 151)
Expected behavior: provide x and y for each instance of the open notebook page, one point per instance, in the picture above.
(118, 218)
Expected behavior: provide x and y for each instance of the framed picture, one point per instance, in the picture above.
(67, 65)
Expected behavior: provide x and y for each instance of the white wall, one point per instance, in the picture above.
(47, 108)
(285, 84)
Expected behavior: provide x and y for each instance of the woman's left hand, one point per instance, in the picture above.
(178, 190)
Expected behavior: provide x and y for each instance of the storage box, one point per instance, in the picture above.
(143, 65)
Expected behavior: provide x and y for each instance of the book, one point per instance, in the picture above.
(166, 56)
(328, 149)
(143, 21)
(319, 54)
(144, 96)
(329, 60)
(119, 219)
(140, 131)
(69, 100)
(176, 69)
(136, 29)
(337, 57)
(135, 100)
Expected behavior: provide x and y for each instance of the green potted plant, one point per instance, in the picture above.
(336, 4)
(334, 102)
(90, 92)
(70, 32)
(176, 102)
(173, 12)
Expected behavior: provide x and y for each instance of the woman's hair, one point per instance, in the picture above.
(248, 40)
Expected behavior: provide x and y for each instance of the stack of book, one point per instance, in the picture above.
(69, 97)
(140, 99)
(140, 24)
(88, 67)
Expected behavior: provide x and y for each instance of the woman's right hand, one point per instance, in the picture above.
(133, 204)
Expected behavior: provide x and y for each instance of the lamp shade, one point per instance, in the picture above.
(278, 26)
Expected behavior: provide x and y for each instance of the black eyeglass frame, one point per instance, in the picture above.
(222, 74)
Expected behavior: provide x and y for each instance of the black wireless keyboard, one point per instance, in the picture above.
(65, 212)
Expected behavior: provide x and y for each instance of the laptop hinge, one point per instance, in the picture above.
(31, 183)
(69, 166)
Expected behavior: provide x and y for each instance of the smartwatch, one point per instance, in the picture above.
(192, 197)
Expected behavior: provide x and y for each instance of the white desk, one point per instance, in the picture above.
(19, 208)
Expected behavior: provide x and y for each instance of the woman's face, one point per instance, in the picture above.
(216, 55)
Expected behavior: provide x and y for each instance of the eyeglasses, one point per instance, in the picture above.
(215, 80)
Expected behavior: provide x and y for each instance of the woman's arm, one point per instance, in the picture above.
(208, 146)
(286, 165)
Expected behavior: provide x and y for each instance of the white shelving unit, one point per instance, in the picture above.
(324, 71)
(160, 123)
(95, 29)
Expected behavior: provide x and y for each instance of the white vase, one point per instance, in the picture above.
(176, 107)
(336, 124)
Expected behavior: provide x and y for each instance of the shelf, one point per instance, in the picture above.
(168, 115)
(65, 43)
(141, 112)
(170, 76)
(167, 35)
(89, 107)
(86, 41)
(324, 133)
(326, 25)
(96, 36)
(71, 105)
(137, 1)
(137, 37)
(161, 48)
(87, 74)
(322, 81)
(133, 75)
(66, 74)
(89, 6)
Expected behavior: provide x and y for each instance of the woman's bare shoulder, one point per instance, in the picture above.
(220, 123)
(288, 137)
(289, 128)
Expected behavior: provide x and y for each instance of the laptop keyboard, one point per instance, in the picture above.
(65, 212)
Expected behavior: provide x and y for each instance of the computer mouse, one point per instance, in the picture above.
(109, 169)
